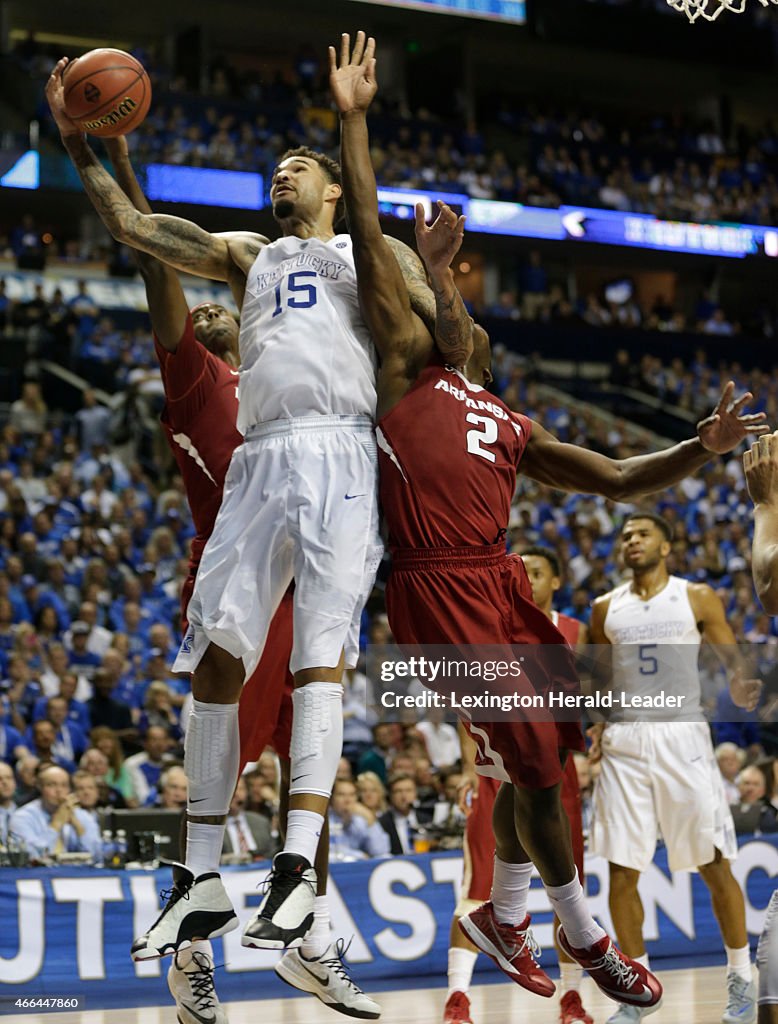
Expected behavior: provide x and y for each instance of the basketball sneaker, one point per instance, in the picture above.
(630, 1014)
(741, 1001)
(286, 912)
(457, 1009)
(326, 978)
(196, 908)
(615, 974)
(571, 1010)
(512, 947)
(191, 985)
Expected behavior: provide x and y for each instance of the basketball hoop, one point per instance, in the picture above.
(711, 9)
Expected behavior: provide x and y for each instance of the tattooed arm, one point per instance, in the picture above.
(171, 239)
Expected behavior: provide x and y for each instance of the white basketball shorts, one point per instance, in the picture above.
(300, 502)
(660, 777)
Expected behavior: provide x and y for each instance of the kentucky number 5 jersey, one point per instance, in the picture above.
(304, 347)
(656, 645)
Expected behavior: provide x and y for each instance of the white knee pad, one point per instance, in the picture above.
(211, 757)
(317, 738)
(767, 955)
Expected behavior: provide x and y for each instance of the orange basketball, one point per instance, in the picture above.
(107, 91)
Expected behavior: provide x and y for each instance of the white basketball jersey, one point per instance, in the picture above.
(656, 645)
(304, 347)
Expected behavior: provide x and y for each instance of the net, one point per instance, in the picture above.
(711, 9)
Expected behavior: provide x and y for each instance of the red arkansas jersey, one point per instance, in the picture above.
(201, 410)
(569, 627)
(448, 454)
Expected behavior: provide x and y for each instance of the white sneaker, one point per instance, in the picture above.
(196, 908)
(326, 978)
(193, 990)
(631, 1014)
(286, 913)
(741, 1001)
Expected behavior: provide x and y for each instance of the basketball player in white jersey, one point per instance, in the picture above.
(658, 767)
(760, 464)
(299, 502)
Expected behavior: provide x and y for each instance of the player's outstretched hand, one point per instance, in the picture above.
(725, 428)
(760, 464)
(745, 693)
(352, 79)
(439, 242)
(55, 94)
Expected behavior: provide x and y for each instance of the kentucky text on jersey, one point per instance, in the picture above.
(648, 631)
(324, 268)
(474, 403)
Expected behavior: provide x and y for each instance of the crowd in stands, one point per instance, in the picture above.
(671, 164)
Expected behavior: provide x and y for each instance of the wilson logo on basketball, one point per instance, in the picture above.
(126, 107)
(91, 92)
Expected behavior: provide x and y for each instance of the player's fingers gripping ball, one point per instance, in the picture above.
(107, 92)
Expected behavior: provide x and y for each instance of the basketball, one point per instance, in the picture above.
(107, 91)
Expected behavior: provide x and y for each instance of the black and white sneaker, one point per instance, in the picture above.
(196, 908)
(191, 985)
(327, 979)
(286, 913)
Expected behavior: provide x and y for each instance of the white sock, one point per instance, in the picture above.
(570, 906)
(510, 885)
(643, 961)
(184, 956)
(570, 977)
(739, 962)
(303, 829)
(461, 963)
(203, 847)
(317, 939)
(317, 738)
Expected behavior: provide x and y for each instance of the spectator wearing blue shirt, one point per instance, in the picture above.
(77, 713)
(351, 834)
(12, 745)
(42, 743)
(70, 742)
(53, 824)
(80, 659)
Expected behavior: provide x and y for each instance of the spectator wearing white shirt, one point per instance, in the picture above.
(7, 805)
(441, 739)
(145, 769)
(730, 759)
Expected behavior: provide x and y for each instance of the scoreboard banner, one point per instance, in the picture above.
(67, 932)
(491, 10)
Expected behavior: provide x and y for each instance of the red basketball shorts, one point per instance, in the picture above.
(472, 596)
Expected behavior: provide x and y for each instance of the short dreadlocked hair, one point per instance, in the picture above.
(330, 167)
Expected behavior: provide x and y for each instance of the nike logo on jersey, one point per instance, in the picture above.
(350, 496)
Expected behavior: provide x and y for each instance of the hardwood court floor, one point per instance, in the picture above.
(692, 996)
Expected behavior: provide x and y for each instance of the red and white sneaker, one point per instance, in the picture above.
(571, 1010)
(513, 948)
(615, 974)
(457, 1009)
